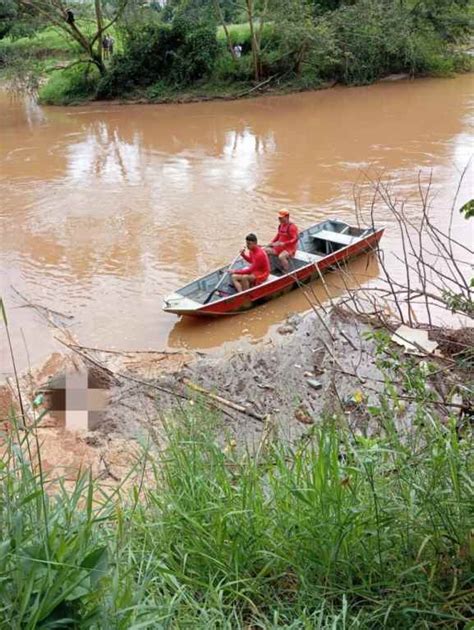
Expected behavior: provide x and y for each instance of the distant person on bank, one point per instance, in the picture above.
(108, 46)
(259, 268)
(238, 51)
(105, 46)
(285, 243)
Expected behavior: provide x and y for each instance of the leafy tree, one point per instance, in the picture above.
(175, 54)
(321, 6)
(56, 13)
(198, 11)
(16, 21)
(449, 18)
(8, 13)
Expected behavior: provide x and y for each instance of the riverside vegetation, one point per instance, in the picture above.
(184, 50)
(336, 531)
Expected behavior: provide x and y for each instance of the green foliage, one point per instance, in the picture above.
(229, 71)
(46, 42)
(195, 57)
(8, 16)
(468, 209)
(459, 303)
(179, 54)
(336, 530)
(53, 555)
(17, 20)
(71, 85)
(376, 37)
(451, 19)
(335, 523)
(304, 43)
(322, 6)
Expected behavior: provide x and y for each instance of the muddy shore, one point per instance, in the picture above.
(318, 365)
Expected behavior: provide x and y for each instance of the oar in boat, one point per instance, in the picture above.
(222, 279)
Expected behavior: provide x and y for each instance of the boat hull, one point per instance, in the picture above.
(260, 294)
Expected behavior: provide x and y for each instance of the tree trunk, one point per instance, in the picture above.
(220, 15)
(255, 48)
(99, 63)
(100, 30)
(260, 33)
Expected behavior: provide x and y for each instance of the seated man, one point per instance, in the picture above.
(285, 242)
(259, 268)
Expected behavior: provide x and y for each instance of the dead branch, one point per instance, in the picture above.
(223, 401)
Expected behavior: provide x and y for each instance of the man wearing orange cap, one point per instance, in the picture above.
(285, 243)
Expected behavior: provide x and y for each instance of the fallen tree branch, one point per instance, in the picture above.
(223, 401)
(132, 352)
(39, 307)
(120, 375)
(256, 87)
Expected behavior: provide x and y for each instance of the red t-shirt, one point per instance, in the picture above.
(287, 234)
(259, 265)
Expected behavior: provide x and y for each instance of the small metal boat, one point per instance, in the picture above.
(322, 246)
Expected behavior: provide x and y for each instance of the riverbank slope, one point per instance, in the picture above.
(304, 479)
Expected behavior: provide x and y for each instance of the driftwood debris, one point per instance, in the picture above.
(43, 310)
(224, 401)
(214, 399)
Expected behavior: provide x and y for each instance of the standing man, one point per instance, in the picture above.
(285, 243)
(259, 268)
(105, 46)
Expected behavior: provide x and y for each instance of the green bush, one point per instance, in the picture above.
(291, 49)
(71, 85)
(452, 20)
(229, 70)
(178, 53)
(369, 36)
(376, 37)
(196, 56)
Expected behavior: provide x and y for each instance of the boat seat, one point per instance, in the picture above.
(306, 256)
(334, 237)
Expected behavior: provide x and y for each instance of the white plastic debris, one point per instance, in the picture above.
(414, 340)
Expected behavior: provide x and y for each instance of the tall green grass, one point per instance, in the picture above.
(336, 531)
(53, 550)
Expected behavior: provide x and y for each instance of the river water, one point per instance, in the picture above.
(106, 208)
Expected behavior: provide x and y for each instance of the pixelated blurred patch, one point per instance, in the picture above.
(76, 397)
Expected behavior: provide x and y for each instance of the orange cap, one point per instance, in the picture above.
(283, 213)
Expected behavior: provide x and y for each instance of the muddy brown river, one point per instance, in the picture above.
(105, 209)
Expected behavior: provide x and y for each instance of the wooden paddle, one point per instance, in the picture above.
(221, 280)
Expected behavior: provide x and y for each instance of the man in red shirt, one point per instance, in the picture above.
(285, 243)
(259, 268)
